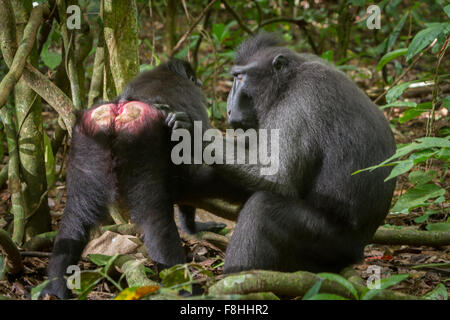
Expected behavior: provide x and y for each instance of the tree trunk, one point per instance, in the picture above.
(121, 38)
(30, 137)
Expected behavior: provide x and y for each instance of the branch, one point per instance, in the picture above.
(194, 24)
(291, 284)
(97, 73)
(412, 237)
(69, 60)
(24, 49)
(236, 16)
(301, 23)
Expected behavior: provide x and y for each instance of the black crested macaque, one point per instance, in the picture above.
(120, 151)
(312, 214)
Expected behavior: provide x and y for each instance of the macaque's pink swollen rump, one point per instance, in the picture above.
(125, 116)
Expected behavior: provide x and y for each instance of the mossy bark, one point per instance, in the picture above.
(30, 137)
(121, 38)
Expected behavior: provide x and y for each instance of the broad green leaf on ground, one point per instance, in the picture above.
(99, 259)
(426, 215)
(36, 291)
(327, 296)
(438, 293)
(438, 226)
(392, 280)
(313, 291)
(341, 280)
(88, 280)
(176, 275)
(417, 197)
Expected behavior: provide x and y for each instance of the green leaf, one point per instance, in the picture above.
(422, 156)
(446, 102)
(313, 291)
(392, 280)
(99, 259)
(396, 91)
(438, 226)
(399, 103)
(421, 177)
(176, 275)
(400, 168)
(327, 296)
(396, 31)
(423, 38)
(416, 197)
(88, 280)
(369, 294)
(447, 10)
(220, 32)
(341, 280)
(328, 55)
(440, 292)
(415, 112)
(425, 216)
(50, 58)
(391, 56)
(36, 291)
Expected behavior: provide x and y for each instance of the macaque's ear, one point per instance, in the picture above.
(279, 62)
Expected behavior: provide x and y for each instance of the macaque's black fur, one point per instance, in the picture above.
(137, 171)
(313, 214)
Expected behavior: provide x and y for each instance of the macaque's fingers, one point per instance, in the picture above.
(170, 119)
(162, 107)
(178, 120)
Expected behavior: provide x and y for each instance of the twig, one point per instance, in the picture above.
(69, 60)
(237, 17)
(258, 8)
(193, 25)
(441, 54)
(301, 23)
(200, 39)
(37, 254)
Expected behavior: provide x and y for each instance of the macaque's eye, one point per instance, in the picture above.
(239, 77)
